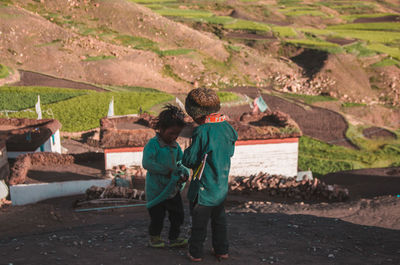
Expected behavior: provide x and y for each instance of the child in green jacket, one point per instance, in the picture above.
(161, 158)
(215, 137)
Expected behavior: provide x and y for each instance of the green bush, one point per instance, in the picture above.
(227, 96)
(98, 58)
(359, 49)
(4, 71)
(174, 52)
(309, 99)
(139, 43)
(353, 104)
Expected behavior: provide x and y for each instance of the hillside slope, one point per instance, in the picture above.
(122, 43)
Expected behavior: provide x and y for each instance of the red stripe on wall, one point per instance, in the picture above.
(245, 142)
(125, 149)
(268, 141)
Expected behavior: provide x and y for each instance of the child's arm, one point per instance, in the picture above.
(194, 154)
(150, 163)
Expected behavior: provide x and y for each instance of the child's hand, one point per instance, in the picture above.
(184, 178)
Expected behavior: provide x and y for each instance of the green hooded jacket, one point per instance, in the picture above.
(159, 159)
(218, 141)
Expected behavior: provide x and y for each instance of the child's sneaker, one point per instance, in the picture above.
(156, 242)
(179, 242)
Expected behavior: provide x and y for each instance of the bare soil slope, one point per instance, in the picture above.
(82, 41)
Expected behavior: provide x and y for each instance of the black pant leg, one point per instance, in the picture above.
(157, 215)
(219, 230)
(176, 215)
(200, 216)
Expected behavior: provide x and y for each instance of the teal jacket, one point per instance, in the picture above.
(159, 159)
(218, 141)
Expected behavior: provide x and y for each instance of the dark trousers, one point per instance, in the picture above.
(200, 216)
(174, 207)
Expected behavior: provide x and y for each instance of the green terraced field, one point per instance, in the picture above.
(184, 13)
(383, 26)
(77, 110)
(19, 98)
(241, 24)
(323, 158)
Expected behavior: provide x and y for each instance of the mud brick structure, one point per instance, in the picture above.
(124, 137)
(267, 142)
(30, 135)
(43, 175)
(4, 167)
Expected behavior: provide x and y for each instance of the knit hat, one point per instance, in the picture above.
(202, 102)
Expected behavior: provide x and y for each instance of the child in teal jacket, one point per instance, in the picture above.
(165, 173)
(215, 137)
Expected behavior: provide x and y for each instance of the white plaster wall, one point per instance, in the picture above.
(30, 193)
(57, 143)
(279, 158)
(123, 158)
(55, 147)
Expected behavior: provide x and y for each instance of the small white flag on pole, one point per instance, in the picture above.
(180, 104)
(111, 108)
(38, 109)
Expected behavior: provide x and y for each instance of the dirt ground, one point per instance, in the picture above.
(364, 230)
(359, 232)
(376, 132)
(36, 79)
(76, 171)
(319, 123)
(77, 147)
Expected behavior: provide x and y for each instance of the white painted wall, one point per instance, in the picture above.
(272, 158)
(123, 158)
(30, 193)
(48, 146)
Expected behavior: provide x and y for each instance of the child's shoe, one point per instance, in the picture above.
(179, 242)
(193, 258)
(156, 242)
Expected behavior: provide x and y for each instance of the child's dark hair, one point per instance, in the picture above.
(169, 117)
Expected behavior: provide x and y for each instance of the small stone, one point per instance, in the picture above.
(331, 256)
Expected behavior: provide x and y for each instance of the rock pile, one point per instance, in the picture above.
(128, 183)
(276, 185)
(268, 125)
(111, 191)
(302, 85)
